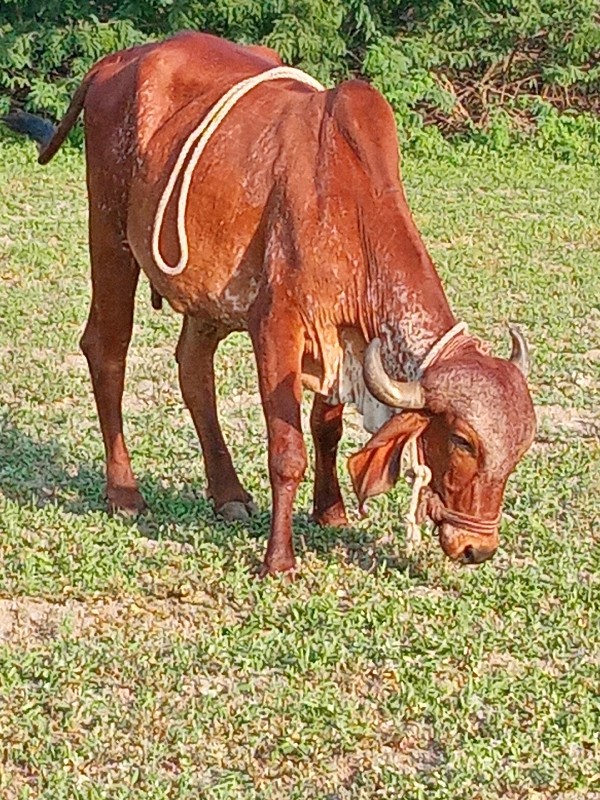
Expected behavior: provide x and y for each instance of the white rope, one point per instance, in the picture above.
(421, 477)
(421, 474)
(198, 140)
(460, 327)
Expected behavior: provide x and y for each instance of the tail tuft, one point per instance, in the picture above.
(37, 128)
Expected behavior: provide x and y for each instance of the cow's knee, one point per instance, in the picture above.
(182, 348)
(327, 435)
(91, 346)
(188, 385)
(101, 349)
(326, 425)
(289, 466)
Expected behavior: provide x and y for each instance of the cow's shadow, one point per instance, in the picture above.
(38, 473)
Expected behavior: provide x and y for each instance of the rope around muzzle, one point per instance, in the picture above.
(421, 474)
(196, 143)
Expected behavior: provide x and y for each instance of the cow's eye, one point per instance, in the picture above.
(462, 443)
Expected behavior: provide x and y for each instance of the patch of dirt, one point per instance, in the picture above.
(531, 794)
(510, 665)
(414, 751)
(502, 662)
(555, 419)
(239, 400)
(28, 622)
(593, 355)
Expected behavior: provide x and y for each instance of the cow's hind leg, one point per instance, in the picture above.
(195, 356)
(104, 343)
(326, 427)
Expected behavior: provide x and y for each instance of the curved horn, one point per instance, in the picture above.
(397, 394)
(520, 352)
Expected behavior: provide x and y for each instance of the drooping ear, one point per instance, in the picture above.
(375, 468)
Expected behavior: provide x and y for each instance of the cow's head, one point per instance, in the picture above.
(474, 419)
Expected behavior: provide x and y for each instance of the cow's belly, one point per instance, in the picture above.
(226, 303)
(223, 272)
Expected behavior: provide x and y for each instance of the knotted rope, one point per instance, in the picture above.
(420, 473)
(196, 142)
(421, 477)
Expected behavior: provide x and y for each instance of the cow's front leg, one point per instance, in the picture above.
(326, 426)
(278, 344)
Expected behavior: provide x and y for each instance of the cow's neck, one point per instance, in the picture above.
(408, 331)
(408, 309)
(402, 303)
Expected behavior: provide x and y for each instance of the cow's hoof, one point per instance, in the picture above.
(125, 502)
(334, 517)
(286, 570)
(236, 511)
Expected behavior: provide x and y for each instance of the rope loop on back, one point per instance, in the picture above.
(196, 143)
(442, 345)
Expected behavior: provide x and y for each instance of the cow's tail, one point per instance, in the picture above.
(49, 137)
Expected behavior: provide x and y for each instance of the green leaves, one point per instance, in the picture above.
(456, 63)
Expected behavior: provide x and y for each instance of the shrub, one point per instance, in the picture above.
(472, 66)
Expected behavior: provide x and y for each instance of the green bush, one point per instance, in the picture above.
(484, 67)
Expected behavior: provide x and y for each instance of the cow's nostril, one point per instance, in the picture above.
(468, 555)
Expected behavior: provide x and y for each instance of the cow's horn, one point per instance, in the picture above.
(520, 352)
(397, 394)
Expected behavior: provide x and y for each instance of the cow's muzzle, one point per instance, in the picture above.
(467, 547)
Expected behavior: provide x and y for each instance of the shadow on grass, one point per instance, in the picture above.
(37, 473)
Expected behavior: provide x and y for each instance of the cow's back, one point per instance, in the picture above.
(139, 114)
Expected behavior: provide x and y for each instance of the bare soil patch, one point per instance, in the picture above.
(29, 622)
(555, 419)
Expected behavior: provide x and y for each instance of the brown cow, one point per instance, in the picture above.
(299, 233)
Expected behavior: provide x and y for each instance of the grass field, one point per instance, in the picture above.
(146, 660)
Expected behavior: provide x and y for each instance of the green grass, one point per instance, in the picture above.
(147, 661)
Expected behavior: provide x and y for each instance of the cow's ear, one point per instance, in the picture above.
(375, 468)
